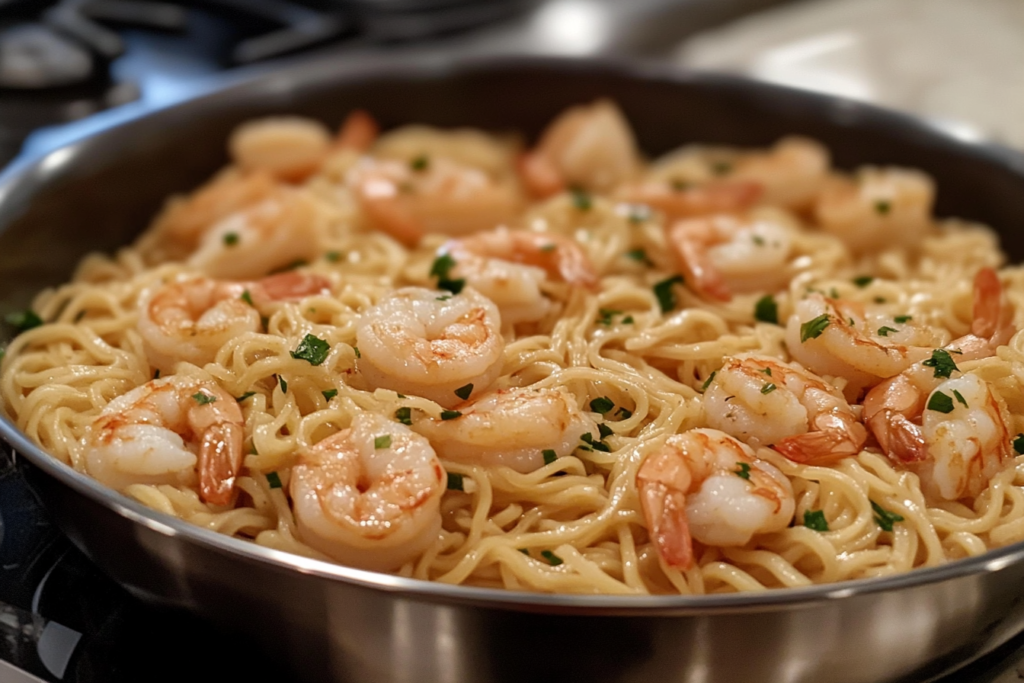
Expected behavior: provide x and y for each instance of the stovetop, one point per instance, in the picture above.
(68, 67)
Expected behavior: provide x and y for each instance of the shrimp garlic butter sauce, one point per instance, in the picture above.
(562, 367)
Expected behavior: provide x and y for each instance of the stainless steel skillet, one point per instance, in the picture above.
(333, 623)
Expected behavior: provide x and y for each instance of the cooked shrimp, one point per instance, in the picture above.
(282, 229)
(677, 200)
(707, 486)
(881, 207)
(369, 496)
(791, 173)
(358, 132)
(190, 320)
(178, 430)
(288, 147)
(432, 344)
(508, 267)
(431, 195)
(511, 428)
(590, 147)
(723, 254)
(766, 402)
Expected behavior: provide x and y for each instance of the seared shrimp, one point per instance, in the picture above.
(590, 147)
(177, 430)
(190, 320)
(433, 344)
(723, 254)
(508, 267)
(881, 207)
(283, 228)
(288, 147)
(369, 496)
(431, 195)
(686, 200)
(766, 402)
(511, 428)
(791, 173)
(705, 485)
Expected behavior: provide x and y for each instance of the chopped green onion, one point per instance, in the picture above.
(942, 362)
(815, 520)
(605, 315)
(663, 291)
(450, 414)
(721, 167)
(355, 349)
(464, 392)
(383, 441)
(329, 394)
(274, 480)
(940, 403)
(604, 430)
(312, 349)
(404, 415)
(453, 286)
(885, 330)
(744, 471)
(813, 328)
(203, 398)
(766, 310)
(768, 388)
(443, 298)
(758, 240)
(628, 320)
(455, 482)
(602, 404)
(442, 266)
(884, 518)
(549, 456)
(156, 373)
(640, 256)
(708, 381)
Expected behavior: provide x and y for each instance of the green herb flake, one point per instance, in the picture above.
(768, 388)
(247, 298)
(605, 315)
(767, 371)
(455, 482)
(942, 362)
(355, 350)
(628, 320)
(443, 298)
(815, 520)
(744, 471)
(231, 239)
(420, 163)
(450, 414)
(156, 373)
(678, 184)
(884, 518)
(23, 320)
(813, 328)
(863, 281)
(766, 310)
(640, 256)
(623, 414)
(441, 266)
(602, 404)
(548, 248)
(663, 291)
(721, 167)
(1018, 444)
(248, 394)
(960, 398)
(203, 398)
(901, 319)
(758, 240)
(329, 394)
(940, 403)
(404, 415)
(382, 441)
(464, 392)
(708, 381)
(312, 349)
(274, 480)
(453, 286)
(879, 299)
(581, 200)
(333, 256)
(604, 430)
(883, 207)
(885, 330)
(549, 456)
(553, 560)
(283, 384)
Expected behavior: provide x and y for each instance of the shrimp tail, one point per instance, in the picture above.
(662, 481)
(358, 132)
(220, 459)
(292, 286)
(540, 176)
(993, 314)
(692, 255)
(832, 438)
(888, 412)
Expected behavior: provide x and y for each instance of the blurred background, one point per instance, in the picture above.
(68, 67)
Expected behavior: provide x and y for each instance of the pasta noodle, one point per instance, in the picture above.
(636, 351)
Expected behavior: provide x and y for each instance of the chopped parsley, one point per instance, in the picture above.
(442, 266)
(813, 328)
(355, 349)
(766, 310)
(312, 349)
(604, 430)
(230, 239)
(382, 441)
(708, 381)
(549, 456)
(863, 281)
(248, 394)
(404, 415)
(666, 297)
(623, 414)
(602, 404)
(548, 248)
(884, 518)
(744, 471)
(283, 384)
(450, 414)
(203, 398)
(768, 388)
(885, 330)
(940, 403)
(942, 362)
(883, 207)
(443, 298)
(628, 320)
(581, 200)
(640, 256)
(453, 286)
(901, 319)
(1018, 444)
(758, 240)
(767, 371)
(879, 299)
(721, 167)
(605, 315)
(420, 163)
(247, 298)
(553, 560)
(960, 398)
(678, 184)
(274, 480)
(23, 320)
(329, 394)
(455, 482)
(333, 256)
(588, 439)
(464, 392)
(815, 519)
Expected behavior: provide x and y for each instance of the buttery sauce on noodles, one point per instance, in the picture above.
(621, 285)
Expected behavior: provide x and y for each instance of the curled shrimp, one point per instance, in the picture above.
(433, 344)
(358, 132)
(407, 199)
(190, 320)
(687, 200)
(766, 402)
(880, 207)
(590, 146)
(791, 174)
(178, 430)
(279, 231)
(704, 485)
(723, 254)
(509, 266)
(369, 496)
(287, 147)
(511, 428)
